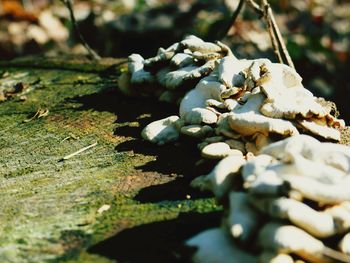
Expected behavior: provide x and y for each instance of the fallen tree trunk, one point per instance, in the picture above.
(58, 198)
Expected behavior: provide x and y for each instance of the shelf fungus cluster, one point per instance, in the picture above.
(291, 203)
(230, 106)
(286, 195)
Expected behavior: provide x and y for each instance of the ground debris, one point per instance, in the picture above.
(40, 113)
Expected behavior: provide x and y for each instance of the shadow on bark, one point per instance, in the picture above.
(174, 159)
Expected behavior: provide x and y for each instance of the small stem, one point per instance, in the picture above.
(79, 151)
(255, 7)
(280, 39)
(335, 256)
(234, 16)
(274, 32)
(92, 53)
(38, 114)
(271, 31)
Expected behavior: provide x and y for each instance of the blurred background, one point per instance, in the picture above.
(317, 33)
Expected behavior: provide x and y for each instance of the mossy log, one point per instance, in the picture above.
(49, 208)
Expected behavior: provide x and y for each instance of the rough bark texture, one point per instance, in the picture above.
(48, 207)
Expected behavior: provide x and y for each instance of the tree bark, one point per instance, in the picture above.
(49, 207)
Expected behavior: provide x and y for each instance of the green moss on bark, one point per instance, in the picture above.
(49, 208)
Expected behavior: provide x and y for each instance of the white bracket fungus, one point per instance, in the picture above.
(294, 193)
(138, 74)
(248, 100)
(197, 131)
(290, 239)
(242, 220)
(219, 180)
(290, 199)
(162, 131)
(194, 44)
(274, 257)
(219, 150)
(215, 246)
(181, 60)
(293, 198)
(247, 120)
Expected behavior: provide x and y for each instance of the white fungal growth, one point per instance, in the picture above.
(216, 104)
(344, 244)
(215, 246)
(320, 192)
(334, 155)
(174, 79)
(322, 172)
(341, 216)
(138, 74)
(274, 201)
(200, 115)
(162, 131)
(238, 108)
(229, 70)
(253, 74)
(197, 131)
(182, 60)
(162, 57)
(256, 166)
(242, 219)
(267, 184)
(193, 106)
(286, 97)
(247, 120)
(290, 102)
(305, 165)
(285, 150)
(290, 239)
(207, 88)
(273, 257)
(321, 130)
(194, 43)
(219, 150)
(258, 99)
(219, 181)
(318, 224)
(230, 104)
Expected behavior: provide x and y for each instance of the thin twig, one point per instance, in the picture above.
(335, 256)
(70, 136)
(279, 36)
(92, 53)
(38, 114)
(266, 9)
(79, 151)
(255, 7)
(234, 16)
